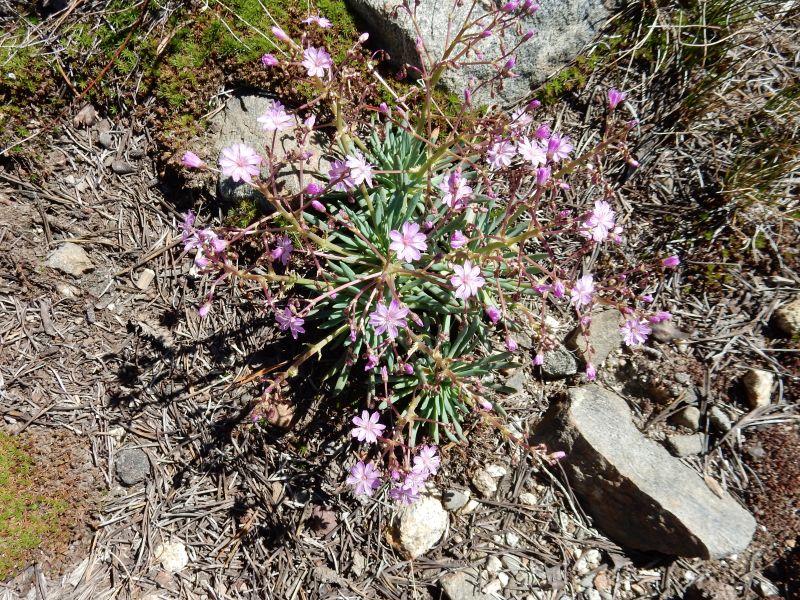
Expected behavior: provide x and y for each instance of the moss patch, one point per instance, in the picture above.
(27, 517)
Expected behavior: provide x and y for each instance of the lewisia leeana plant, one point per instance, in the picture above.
(434, 242)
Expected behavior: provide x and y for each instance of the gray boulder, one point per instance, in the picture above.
(639, 494)
(563, 28)
(238, 124)
(604, 337)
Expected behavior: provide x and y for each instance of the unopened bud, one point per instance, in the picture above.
(281, 35)
(528, 35)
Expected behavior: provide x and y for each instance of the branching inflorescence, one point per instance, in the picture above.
(435, 242)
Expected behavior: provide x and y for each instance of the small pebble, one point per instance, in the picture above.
(719, 419)
(496, 471)
(503, 579)
(688, 417)
(106, 140)
(683, 378)
(593, 557)
(145, 279)
(758, 385)
(528, 499)
(494, 565)
(120, 167)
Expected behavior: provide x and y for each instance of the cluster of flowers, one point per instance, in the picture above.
(406, 482)
(438, 245)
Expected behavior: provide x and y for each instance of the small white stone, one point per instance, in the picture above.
(172, 556)
(420, 526)
(494, 565)
(512, 539)
(484, 483)
(528, 499)
(758, 385)
(592, 557)
(145, 279)
(581, 566)
(470, 507)
(496, 471)
(592, 595)
(503, 579)
(787, 317)
(689, 577)
(493, 587)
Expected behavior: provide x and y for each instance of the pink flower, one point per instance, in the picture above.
(582, 292)
(467, 280)
(614, 98)
(558, 147)
(388, 318)
(367, 429)
(276, 118)
(660, 316)
(484, 404)
(339, 174)
(191, 160)
(240, 163)
(407, 493)
(591, 372)
(493, 313)
(455, 190)
(427, 461)
(542, 132)
(538, 360)
(287, 320)
(457, 239)
(408, 244)
(314, 189)
(532, 151)
(500, 154)
(281, 35)
(559, 289)
(283, 250)
(635, 332)
(542, 175)
(204, 309)
(268, 60)
(365, 478)
(511, 344)
(321, 21)
(600, 222)
(360, 169)
(520, 119)
(316, 61)
(671, 262)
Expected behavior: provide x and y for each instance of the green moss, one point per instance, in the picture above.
(26, 518)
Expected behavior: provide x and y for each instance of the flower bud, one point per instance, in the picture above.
(493, 314)
(534, 104)
(591, 372)
(671, 262)
(510, 7)
(363, 37)
(538, 360)
(203, 311)
(281, 35)
(314, 189)
(511, 344)
(383, 108)
(268, 60)
(510, 64)
(191, 160)
(457, 240)
(614, 98)
(486, 33)
(528, 35)
(318, 206)
(542, 175)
